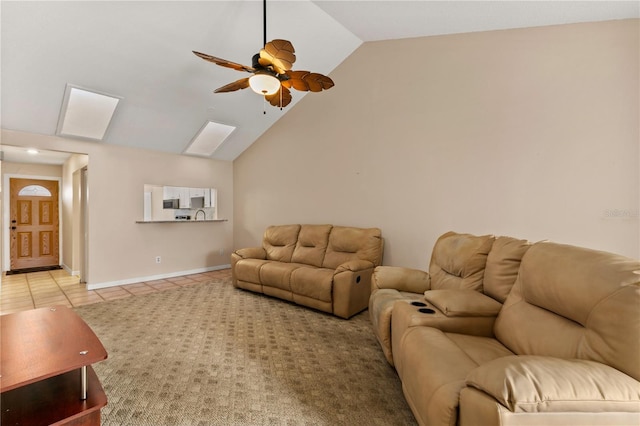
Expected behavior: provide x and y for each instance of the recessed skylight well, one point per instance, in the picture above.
(209, 139)
(86, 113)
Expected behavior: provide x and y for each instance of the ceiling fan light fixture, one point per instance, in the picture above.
(272, 74)
(264, 84)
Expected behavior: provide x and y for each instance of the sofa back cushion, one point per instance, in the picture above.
(572, 302)
(312, 244)
(458, 261)
(347, 243)
(279, 242)
(503, 264)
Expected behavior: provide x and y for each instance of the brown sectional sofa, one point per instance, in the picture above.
(562, 349)
(324, 267)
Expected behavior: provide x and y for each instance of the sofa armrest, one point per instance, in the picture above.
(352, 287)
(251, 253)
(401, 279)
(478, 408)
(536, 384)
(463, 303)
(354, 266)
(245, 253)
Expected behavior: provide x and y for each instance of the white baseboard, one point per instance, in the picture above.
(69, 270)
(155, 277)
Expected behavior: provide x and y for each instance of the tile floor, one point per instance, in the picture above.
(40, 289)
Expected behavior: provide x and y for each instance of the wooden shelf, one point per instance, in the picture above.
(55, 400)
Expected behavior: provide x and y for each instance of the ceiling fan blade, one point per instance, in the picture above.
(279, 54)
(243, 83)
(308, 81)
(224, 62)
(275, 99)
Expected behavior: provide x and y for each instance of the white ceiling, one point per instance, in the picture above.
(141, 51)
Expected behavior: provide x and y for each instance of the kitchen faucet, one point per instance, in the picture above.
(204, 215)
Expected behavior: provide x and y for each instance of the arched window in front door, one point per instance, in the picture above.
(34, 191)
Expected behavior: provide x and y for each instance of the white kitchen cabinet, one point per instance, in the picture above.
(170, 193)
(157, 206)
(207, 193)
(185, 198)
(177, 193)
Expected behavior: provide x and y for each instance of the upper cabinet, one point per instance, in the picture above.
(174, 197)
(188, 198)
(162, 203)
(202, 197)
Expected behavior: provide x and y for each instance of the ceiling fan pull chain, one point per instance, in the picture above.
(264, 105)
(280, 98)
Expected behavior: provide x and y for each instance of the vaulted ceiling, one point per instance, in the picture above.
(141, 52)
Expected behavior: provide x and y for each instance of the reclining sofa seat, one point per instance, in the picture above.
(324, 267)
(566, 349)
(469, 278)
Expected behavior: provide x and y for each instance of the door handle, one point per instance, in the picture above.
(13, 228)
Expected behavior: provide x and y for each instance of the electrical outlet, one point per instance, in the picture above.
(221, 252)
(158, 259)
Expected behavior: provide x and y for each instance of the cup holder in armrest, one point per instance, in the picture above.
(423, 307)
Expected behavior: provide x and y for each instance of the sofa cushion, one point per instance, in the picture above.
(277, 274)
(346, 243)
(565, 303)
(315, 283)
(312, 244)
(458, 261)
(463, 303)
(543, 384)
(279, 242)
(434, 367)
(249, 269)
(503, 264)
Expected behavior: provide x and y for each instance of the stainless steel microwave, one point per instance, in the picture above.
(173, 203)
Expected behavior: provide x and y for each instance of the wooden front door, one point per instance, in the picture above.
(34, 224)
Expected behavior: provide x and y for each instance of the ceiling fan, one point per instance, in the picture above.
(272, 74)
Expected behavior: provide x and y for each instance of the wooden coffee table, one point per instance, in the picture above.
(45, 369)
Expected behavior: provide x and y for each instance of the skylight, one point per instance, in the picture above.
(85, 113)
(209, 139)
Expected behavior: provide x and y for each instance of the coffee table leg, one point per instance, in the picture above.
(83, 382)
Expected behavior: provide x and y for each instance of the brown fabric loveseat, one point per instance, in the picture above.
(564, 348)
(324, 267)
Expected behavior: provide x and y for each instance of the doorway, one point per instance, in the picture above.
(34, 223)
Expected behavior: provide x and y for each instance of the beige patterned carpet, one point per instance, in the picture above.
(210, 354)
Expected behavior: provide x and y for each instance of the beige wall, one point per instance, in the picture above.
(121, 250)
(24, 169)
(532, 133)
